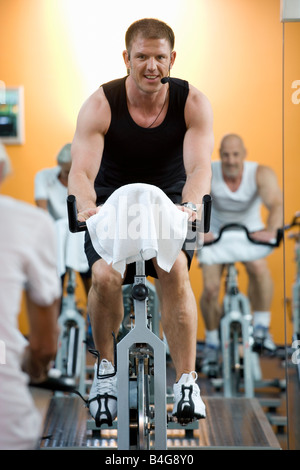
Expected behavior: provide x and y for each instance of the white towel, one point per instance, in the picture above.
(233, 246)
(70, 249)
(138, 222)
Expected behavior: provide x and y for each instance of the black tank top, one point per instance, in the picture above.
(133, 154)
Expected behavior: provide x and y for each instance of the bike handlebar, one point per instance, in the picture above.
(207, 201)
(76, 226)
(295, 223)
(235, 226)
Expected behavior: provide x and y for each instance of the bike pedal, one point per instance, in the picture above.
(56, 382)
(186, 422)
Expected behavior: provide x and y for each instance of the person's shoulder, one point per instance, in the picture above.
(6, 202)
(34, 212)
(194, 92)
(49, 171)
(178, 82)
(24, 210)
(113, 84)
(95, 105)
(198, 108)
(198, 98)
(47, 175)
(251, 166)
(11, 203)
(99, 95)
(262, 169)
(216, 164)
(264, 173)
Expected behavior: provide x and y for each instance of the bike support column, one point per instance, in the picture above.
(141, 334)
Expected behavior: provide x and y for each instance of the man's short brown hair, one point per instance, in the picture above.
(149, 28)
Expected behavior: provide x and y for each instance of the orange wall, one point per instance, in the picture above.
(61, 50)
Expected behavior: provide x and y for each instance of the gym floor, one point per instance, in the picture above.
(278, 408)
(271, 396)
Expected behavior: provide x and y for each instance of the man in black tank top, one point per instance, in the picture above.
(144, 128)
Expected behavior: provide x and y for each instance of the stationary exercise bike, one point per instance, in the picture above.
(295, 223)
(68, 374)
(71, 351)
(140, 363)
(240, 364)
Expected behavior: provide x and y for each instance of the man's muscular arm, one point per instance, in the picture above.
(87, 147)
(198, 147)
(271, 196)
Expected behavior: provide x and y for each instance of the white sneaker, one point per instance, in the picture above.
(103, 395)
(263, 340)
(210, 362)
(188, 404)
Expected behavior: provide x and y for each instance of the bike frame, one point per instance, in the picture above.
(144, 346)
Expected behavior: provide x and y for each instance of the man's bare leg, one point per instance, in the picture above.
(211, 310)
(179, 315)
(209, 303)
(260, 288)
(105, 306)
(260, 292)
(179, 321)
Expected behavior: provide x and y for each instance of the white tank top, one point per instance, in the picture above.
(242, 206)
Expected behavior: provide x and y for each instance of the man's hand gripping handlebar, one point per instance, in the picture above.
(76, 226)
(235, 226)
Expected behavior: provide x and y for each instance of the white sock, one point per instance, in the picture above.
(182, 379)
(261, 319)
(212, 338)
(187, 377)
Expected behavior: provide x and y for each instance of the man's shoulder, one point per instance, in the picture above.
(178, 82)
(48, 171)
(22, 210)
(113, 84)
(47, 176)
(215, 167)
(263, 171)
(251, 164)
(198, 100)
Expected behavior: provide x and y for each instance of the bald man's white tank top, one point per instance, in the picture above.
(242, 206)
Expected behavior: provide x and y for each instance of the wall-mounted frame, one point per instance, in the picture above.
(289, 11)
(12, 115)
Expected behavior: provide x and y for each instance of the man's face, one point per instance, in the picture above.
(150, 60)
(232, 155)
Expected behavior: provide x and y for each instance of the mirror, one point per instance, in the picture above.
(291, 152)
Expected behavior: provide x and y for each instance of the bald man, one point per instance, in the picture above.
(239, 189)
